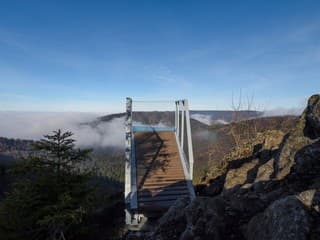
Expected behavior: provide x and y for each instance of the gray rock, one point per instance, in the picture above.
(174, 222)
(207, 217)
(238, 176)
(202, 219)
(312, 115)
(187, 234)
(283, 220)
(265, 171)
(303, 135)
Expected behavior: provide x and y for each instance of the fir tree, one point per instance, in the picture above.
(52, 195)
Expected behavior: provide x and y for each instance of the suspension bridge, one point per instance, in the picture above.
(158, 163)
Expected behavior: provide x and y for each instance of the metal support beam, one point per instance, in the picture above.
(128, 150)
(130, 171)
(178, 115)
(186, 171)
(134, 194)
(182, 123)
(190, 147)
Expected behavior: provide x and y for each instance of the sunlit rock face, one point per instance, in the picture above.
(301, 148)
(271, 193)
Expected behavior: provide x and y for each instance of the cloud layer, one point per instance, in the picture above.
(33, 125)
(207, 119)
(283, 112)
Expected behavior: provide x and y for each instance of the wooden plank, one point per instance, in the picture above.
(161, 198)
(163, 193)
(156, 206)
(164, 176)
(160, 174)
(161, 188)
(163, 206)
(167, 179)
(164, 183)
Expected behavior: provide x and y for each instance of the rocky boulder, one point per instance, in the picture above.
(312, 117)
(303, 135)
(265, 171)
(202, 219)
(174, 222)
(284, 219)
(269, 189)
(238, 176)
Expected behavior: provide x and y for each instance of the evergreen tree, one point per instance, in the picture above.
(52, 195)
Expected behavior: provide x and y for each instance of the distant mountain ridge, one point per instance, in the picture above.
(11, 149)
(167, 117)
(15, 148)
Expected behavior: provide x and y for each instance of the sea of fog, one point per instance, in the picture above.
(33, 125)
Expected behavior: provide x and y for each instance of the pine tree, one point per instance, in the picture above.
(52, 195)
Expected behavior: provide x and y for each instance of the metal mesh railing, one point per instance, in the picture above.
(153, 114)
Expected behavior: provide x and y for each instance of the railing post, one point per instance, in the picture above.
(190, 148)
(128, 156)
(134, 196)
(182, 124)
(178, 116)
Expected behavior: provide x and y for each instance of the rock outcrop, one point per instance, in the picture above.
(298, 146)
(284, 219)
(202, 219)
(174, 222)
(272, 194)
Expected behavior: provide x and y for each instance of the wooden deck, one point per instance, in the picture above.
(160, 176)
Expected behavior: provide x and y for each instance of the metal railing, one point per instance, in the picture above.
(182, 130)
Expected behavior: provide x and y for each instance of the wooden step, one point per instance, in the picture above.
(163, 193)
(171, 188)
(161, 185)
(167, 164)
(159, 169)
(166, 182)
(163, 170)
(158, 176)
(143, 167)
(166, 177)
(161, 198)
(156, 206)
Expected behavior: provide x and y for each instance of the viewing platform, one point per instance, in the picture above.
(157, 169)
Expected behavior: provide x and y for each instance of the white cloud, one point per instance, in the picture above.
(220, 121)
(206, 119)
(283, 112)
(33, 125)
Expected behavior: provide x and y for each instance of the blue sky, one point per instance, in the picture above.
(89, 55)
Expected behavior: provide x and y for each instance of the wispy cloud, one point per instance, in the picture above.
(207, 119)
(165, 76)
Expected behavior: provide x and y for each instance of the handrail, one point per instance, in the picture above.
(128, 150)
(183, 107)
(182, 123)
(189, 137)
(128, 159)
